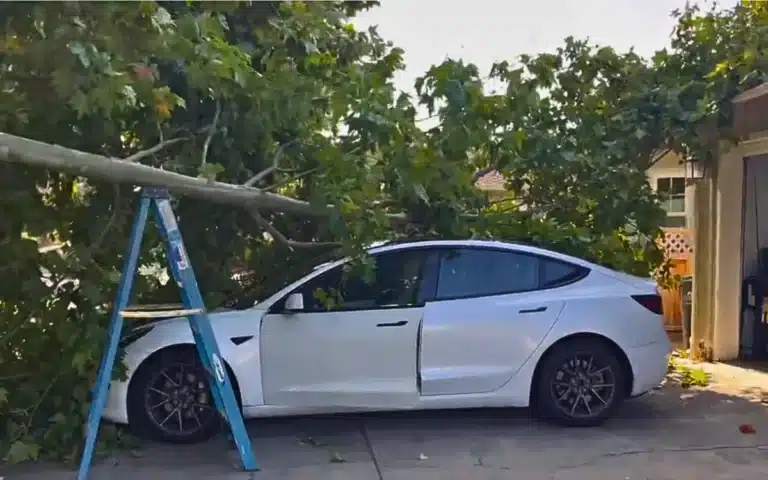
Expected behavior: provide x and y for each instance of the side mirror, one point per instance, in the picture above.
(294, 303)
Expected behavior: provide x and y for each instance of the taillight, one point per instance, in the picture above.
(651, 302)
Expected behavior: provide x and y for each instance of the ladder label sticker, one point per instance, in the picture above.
(179, 254)
(218, 368)
(169, 219)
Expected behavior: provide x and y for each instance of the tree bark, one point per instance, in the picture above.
(55, 157)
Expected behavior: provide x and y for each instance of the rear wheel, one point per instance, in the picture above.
(170, 400)
(581, 383)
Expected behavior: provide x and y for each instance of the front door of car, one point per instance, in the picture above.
(356, 349)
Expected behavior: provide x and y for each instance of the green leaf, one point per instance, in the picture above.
(179, 101)
(161, 17)
(80, 362)
(3, 396)
(309, 47)
(210, 171)
(114, 276)
(240, 78)
(80, 51)
(59, 418)
(130, 95)
(21, 452)
(81, 104)
(421, 192)
(719, 69)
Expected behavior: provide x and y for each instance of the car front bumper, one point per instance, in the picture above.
(116, 409)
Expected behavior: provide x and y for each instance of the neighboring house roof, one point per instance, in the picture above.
(494, 181)
(657, 155)
(491, 182)
(751, 94)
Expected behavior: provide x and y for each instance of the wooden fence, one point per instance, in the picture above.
(678, 244)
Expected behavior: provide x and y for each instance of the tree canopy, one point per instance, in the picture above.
(279, 126)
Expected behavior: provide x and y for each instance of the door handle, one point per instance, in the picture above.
(393, 324)
(533, 310)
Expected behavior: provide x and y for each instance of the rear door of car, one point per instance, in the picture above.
(491, 309)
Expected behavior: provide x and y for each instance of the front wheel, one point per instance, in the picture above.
(581, 383)
(170, 400)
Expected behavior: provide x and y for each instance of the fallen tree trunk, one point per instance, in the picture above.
(30, 152)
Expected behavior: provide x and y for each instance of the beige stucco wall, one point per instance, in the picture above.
(727, 253)
(703, 267)
(690, 203)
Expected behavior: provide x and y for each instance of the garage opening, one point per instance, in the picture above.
(753, 344)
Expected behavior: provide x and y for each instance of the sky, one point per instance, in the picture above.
(488, 31)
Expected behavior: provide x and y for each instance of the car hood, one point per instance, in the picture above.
(218, 316)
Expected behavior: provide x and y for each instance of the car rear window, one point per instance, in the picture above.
(555, 272)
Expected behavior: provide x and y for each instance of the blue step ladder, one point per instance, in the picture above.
(158, 201)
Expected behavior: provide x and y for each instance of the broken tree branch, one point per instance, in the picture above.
(22, 150)
(292, 179)
(273, 168)
(162, 145)
(153, 150)
(282, 239)
(211, 133)
(30, 152)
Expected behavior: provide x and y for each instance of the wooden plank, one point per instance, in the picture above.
(671, 299)
(160, 313)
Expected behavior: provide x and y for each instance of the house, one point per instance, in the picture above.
(731, 236)
(667, 175)
(670, 177)
(492, 183)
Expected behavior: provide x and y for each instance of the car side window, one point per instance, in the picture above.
(395, 282)
(555, 273)
(474, 272)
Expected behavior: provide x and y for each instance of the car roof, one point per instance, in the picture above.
(515, 246)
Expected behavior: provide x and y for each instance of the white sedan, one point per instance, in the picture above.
(443, 324)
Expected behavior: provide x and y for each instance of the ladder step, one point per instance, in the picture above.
(154, 306)
(134, 313)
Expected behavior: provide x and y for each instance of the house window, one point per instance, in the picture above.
(672, 192)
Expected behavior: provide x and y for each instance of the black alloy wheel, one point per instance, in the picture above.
(583, 387)
(581, 382)
(170, 400)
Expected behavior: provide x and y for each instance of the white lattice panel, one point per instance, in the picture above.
(678, 242)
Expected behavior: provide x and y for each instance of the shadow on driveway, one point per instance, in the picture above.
(671, 433)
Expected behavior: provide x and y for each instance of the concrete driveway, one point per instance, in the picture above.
(673, 433)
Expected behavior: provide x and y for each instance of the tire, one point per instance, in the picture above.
(171, 387)
(566, 395)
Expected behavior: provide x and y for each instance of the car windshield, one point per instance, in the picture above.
(289, 275)
(259, 289)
